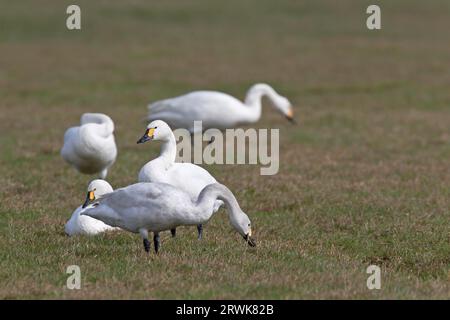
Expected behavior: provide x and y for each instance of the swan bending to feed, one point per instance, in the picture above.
(186, 176)
(85, 225)
(91, 147)
(216, 109)
(155, 207)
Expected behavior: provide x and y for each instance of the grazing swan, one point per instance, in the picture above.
(156, 207)
(187, 176)
(84, 225)
(216, 109)
(91, 147)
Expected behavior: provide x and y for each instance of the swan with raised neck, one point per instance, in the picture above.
(186, 176)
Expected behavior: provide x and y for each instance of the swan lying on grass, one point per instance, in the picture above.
(216, 109)
(155, 207)
(91, 147)
(84, 225)
(186, 176)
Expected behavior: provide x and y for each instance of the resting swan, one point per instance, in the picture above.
(216, 109)
(91, 147)
(187, 176)
(84, 225)
(155, 207)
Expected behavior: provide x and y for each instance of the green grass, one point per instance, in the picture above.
(363, 178)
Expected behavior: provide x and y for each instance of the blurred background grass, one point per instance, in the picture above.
(363, 178)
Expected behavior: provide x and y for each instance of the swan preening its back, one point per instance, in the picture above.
(91, 147)
(155, 207)
(216, 109)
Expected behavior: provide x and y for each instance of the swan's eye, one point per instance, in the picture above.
(249, 224)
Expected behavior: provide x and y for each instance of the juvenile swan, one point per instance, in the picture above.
(216, 109)
(91, 147)
(84, 225)
(156, 207)
(187, 176)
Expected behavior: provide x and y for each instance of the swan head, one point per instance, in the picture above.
(96, 189)
(156, 130)
(243, 225)
(284, 106)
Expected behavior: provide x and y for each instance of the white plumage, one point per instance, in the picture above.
(91, 147)
(156, 207)
(85, 225)
(217, 109)
(186, 176)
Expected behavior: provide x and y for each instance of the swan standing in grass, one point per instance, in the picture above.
(84, 225)
(155, 207)
(216, 109)
(187, 176)
(91, 147)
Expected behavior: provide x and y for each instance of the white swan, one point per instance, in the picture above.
(84, 225)
(91, 147)
(156, 207)
(186, 176)
(216, 109)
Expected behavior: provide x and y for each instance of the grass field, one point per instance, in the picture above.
(364, 177)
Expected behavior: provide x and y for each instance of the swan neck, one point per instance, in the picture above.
(169, 150)
(253, 99)
(208, 197)
(105, 124)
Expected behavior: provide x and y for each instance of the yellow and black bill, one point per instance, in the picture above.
(90, 197)
(148, 135)
(248, 238)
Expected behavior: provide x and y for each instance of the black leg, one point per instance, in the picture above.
(156, 242)
(200, 231)
(147, 245)
(173, 232)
